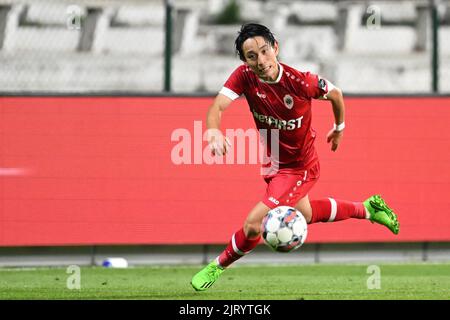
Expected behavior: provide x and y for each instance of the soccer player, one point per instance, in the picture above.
(279, 97)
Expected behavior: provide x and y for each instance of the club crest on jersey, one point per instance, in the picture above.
(288, 101)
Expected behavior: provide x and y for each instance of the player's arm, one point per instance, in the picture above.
(336, 98)
(217, 142)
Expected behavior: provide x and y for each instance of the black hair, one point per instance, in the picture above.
(250, 30)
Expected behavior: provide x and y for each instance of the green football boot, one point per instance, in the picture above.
(206, 277)
(381, 213)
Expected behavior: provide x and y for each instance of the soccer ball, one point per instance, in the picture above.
(284, 229)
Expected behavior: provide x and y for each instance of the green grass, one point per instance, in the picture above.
(323, 281)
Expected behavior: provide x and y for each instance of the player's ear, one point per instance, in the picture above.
(243, 59)
(276, 49)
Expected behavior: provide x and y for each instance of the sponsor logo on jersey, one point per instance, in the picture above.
(288, 101)
(291, 124)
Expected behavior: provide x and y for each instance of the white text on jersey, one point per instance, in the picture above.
(278, 123)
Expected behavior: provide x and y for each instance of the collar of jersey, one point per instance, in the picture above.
(278, 78)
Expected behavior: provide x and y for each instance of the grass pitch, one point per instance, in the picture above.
(288, 282)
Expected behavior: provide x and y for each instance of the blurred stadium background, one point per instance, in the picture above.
(364, 46)
(90, 95)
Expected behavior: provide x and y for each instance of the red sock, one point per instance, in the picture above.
(329, 210)
(237, 247)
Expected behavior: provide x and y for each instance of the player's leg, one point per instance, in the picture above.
(304, 206)
(254, 219)
(246, 238)
(242, 242)
(329, 210)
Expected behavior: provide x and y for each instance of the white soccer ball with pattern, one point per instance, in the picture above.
(284, 229)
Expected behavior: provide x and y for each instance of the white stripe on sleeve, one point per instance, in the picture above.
(229, 93)
(330, 86)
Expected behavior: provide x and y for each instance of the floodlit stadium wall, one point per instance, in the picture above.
(103, 170)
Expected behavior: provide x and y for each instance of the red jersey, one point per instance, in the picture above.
(283, 104)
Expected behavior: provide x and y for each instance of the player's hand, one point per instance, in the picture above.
(218, 143)
(335, 138)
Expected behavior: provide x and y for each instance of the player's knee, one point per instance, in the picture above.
(252, 229)
(308, 216)
(305, 208)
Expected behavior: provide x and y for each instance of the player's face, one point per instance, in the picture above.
(261, 57)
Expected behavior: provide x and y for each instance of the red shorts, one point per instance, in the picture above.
(289, 185)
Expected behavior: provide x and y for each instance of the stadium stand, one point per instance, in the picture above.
(119, 45)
